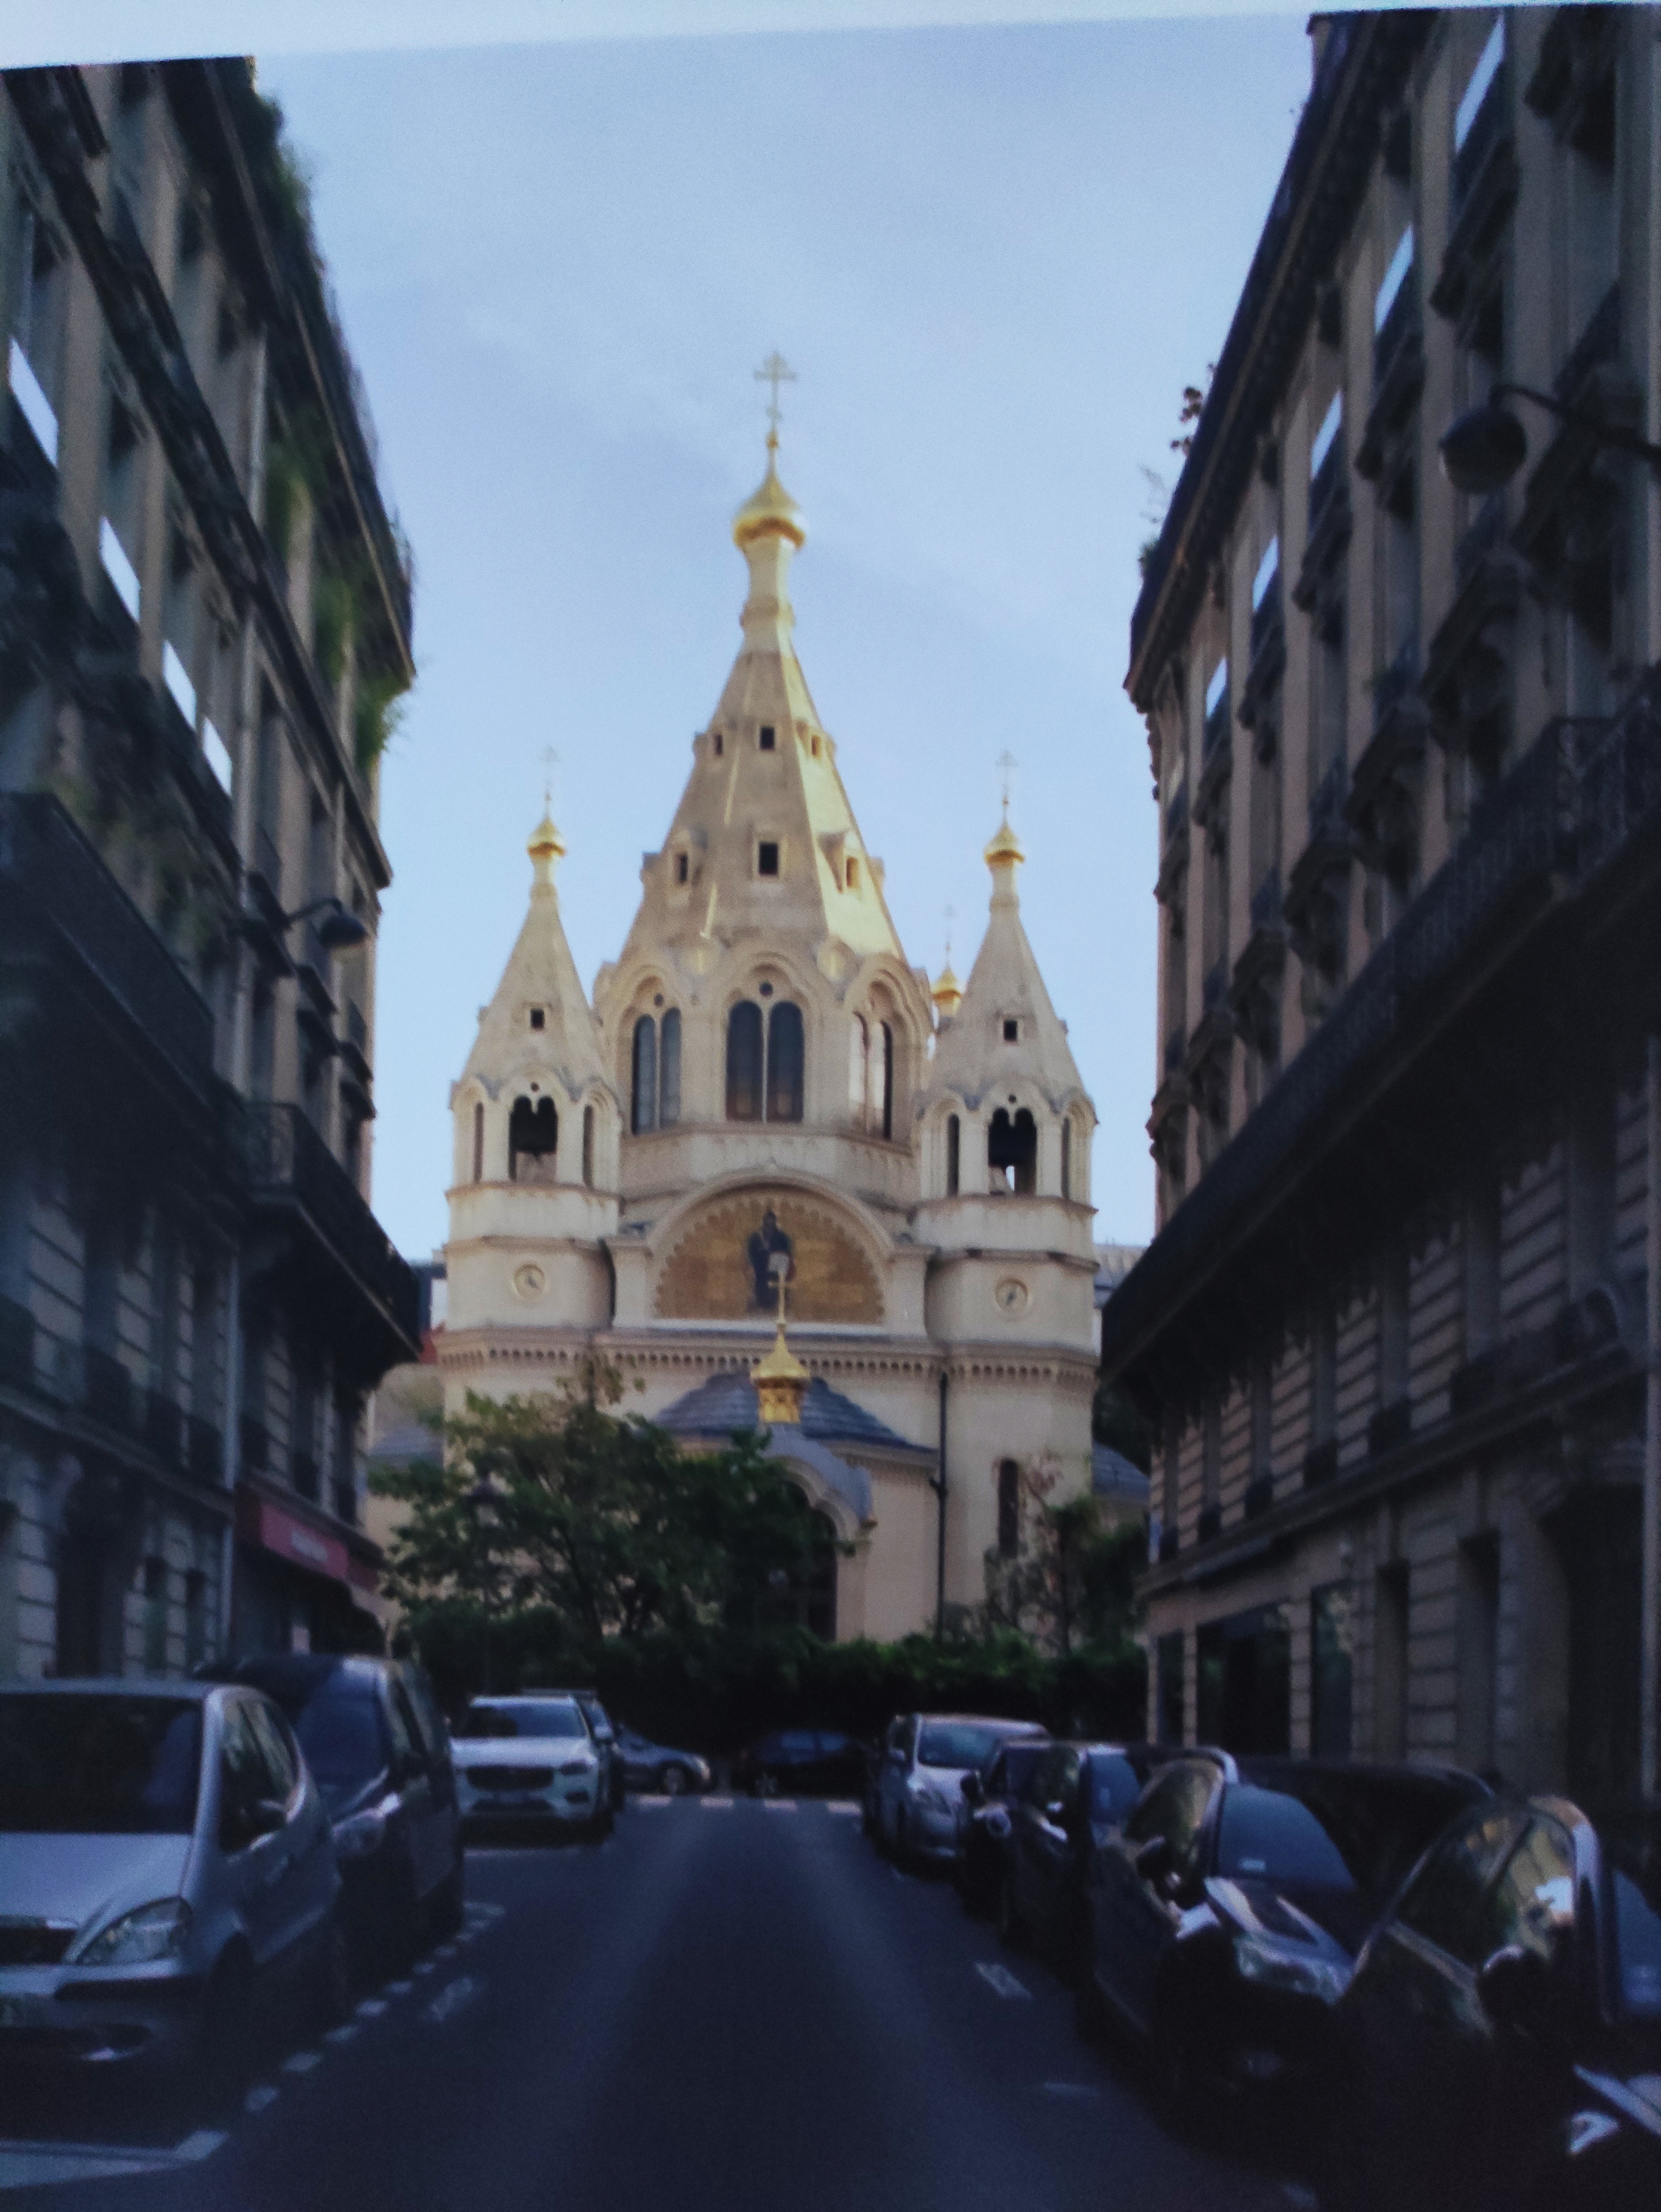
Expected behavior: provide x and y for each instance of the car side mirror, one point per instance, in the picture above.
(1153, 1860)
(972, 1787)
(248, 1822)
(1512, 1985)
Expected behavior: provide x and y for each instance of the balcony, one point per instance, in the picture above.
(1255, 988)
(1317, 903)
(1466, 678)
(1398, 376)
(1383, 807)
(75, 946)
(204, 1451)
(16, 1345)
(164, 1427)
(107, 1388)
(333, 1245)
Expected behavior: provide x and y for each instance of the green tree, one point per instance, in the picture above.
(1071, 1582)
(597, 1523)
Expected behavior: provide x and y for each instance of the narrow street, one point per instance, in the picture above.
(733, 2004)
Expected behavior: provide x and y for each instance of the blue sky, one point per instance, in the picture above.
(994, 256)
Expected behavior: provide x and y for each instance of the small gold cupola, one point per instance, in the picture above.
(545, 846)
(948, 993)
(769, 511)
(780, 1380)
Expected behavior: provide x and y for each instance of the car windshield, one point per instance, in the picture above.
(955, 1743)
(99, 1766)
(538, 1720)
(1114, 1786)
(1267, 1837)
(344, 1737)
(1634, 1851)
(1382, 1823)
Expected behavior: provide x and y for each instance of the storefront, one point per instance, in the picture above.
(300, 1586)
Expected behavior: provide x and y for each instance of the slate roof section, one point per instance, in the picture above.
(726, 1403)
(1112, 1475)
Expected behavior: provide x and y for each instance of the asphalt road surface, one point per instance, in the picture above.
(736, 2005)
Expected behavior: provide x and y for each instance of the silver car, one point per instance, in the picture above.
(917, 1799)
(164, 1857)
(531, 1761)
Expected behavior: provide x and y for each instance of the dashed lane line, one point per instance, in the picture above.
(1000, 1979)
(260, 2097)
(716, 1804)
(34, 2166)
(842, 1805)
(1081, 2092)
(371, 2008)
(779, 1804)
(451, 1999)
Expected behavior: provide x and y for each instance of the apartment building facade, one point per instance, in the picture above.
(1407, 745)
(204, 619)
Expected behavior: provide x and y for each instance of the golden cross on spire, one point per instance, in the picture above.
(774, 370)
(1006, 765)
(950, 913)
(550, 763)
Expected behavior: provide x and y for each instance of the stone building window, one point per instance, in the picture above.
(644, 1111)
(682, 868)
(1012, 1152)
(588, 1147)
(1332, 1645)
(1009, 1508)
(533, 1140)
(953, 1154)
(765, 1063)
(1012, 1030)
(767, 856)
(478, 1144)
(155, 1616)
(669, 1070)
(785, 1057)
(768, 740)
(719, 744)
(1067, 1159)
(538, 1018)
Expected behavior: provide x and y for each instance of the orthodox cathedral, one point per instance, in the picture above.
(767, 1118)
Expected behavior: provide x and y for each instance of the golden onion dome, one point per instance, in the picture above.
(947, 993)
(545, 842)
(769, 511)
(1005, 848)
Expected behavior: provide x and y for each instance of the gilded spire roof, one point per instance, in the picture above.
(541, 1017)
(770, 511)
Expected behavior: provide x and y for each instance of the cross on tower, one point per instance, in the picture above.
(550, 763)
(1006, 765)
(950, 913)
(774, 370)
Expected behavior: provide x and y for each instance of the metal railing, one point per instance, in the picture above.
(285, 1156)
(54, 874)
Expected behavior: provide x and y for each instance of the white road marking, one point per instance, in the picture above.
(716, 1804)
(371, 2008)
(478, 1910)
(263, 2094)
(652, 1804)
(779, 1804)
(842, 1805)
(1000, 1979)
(1083, 2093)
(452, 1998)
(398, 1989)
(343, 2033)
(34, 2166)
(302, 2062)
(423, 1967)
(1295, 2193)
(202, 2144)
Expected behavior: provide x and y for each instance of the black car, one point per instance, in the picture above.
(1221, 1922)
(983, 1834)
(375, 1740)
(657, 1767)
(1076, 1796)
(802, 1763)
(1499, 2044)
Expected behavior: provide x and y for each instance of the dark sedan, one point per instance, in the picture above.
(1499, 2045)
(802, 1763)
(1076, 1797)
(654, 1766)
(984, 1832)
(1222, 1921)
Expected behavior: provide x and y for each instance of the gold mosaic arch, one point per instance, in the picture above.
(718, 1269)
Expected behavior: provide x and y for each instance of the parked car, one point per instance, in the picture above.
(647, 1765)
(917, 1788)
(983, 1824)
(802, 1763)
(1076, 1797)
(531, 1761)
(1499, 2044)
(602, 1729)
(1222, 1921)
(375, 1740)
(166, 1864)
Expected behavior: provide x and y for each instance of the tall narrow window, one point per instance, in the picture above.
(768, 739)
(859, 1070)
(669, 1070)
(784, 1063)
(953, 1154)
(1067, 1159)
(1009, 1509)
(884, 1071)
(478, 1144)
(533, 1141)
(644, 1115)
(744, 1062)
(1012, 1152)
(588, 1146)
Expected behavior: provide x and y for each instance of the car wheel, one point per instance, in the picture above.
(224, 2040)
(331, 1976)
(448, 1907)
(672, 1781)
(1010, 1930)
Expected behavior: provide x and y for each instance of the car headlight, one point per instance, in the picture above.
(578, 1766)
(138, 1939)
(1284, 1967)
(363, 1834)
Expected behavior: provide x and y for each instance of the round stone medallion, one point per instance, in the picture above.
(1012, 1297)
(529, 1280)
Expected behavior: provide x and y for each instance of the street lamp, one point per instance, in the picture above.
(483, 1502)
(339, 930)
(1482, 449)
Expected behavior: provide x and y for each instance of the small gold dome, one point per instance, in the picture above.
(947, 993)
(1005, 848)
(780, 1381)
(545, 842)
(769, 511)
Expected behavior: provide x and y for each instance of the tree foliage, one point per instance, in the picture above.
(596, 1521)
(1071, 1581)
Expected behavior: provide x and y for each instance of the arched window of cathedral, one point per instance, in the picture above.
(478, 1144)
(807, 1596)
(744, 1062)
(533, 1140)
(588, 1146)
(953, 1154)
(859, 1069)
(884, 1071)
(669, 1071)
(1067, 1159)
(644, 1113)
(1012, 1152)
(785, 1056)
(1009, 1509)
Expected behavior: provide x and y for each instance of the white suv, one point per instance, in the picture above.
(531, 1760)
(917, 1798)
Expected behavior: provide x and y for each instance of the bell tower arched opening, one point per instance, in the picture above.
(1012, 1152)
